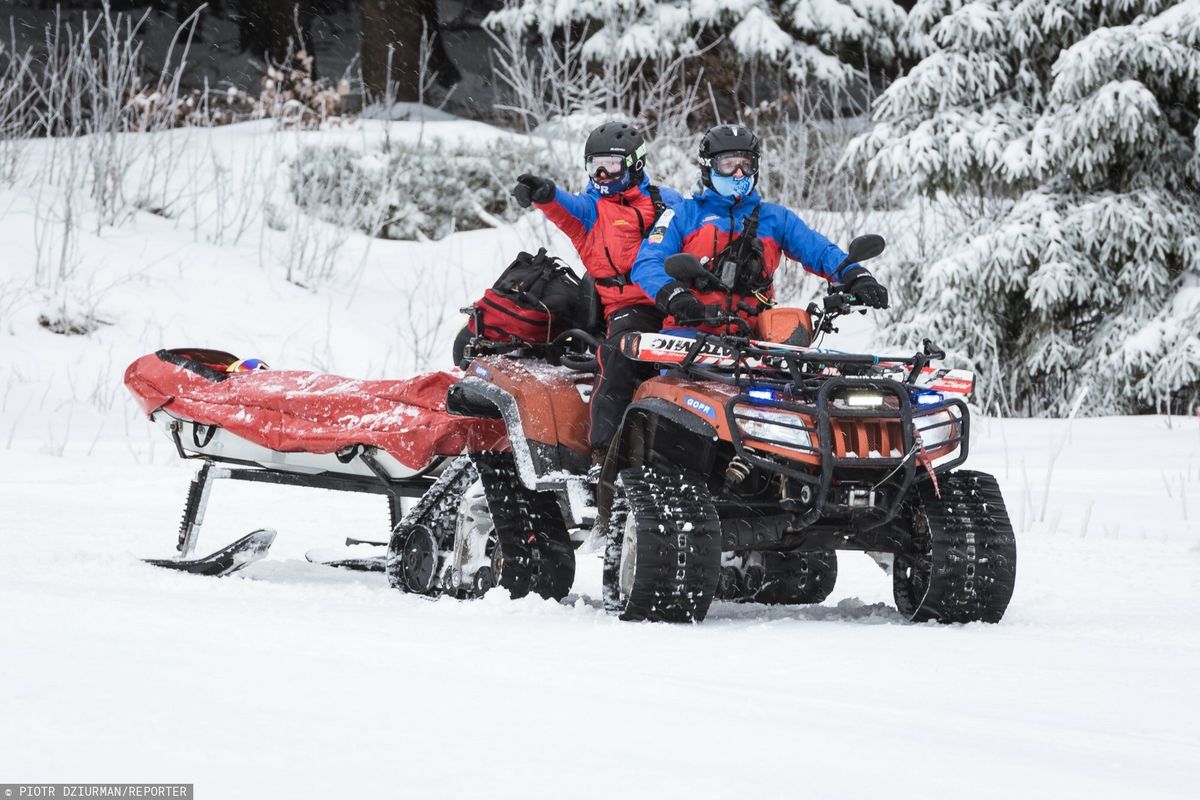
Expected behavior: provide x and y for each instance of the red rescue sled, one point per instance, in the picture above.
(298, 428)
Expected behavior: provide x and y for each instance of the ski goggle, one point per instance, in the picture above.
(611, 166)
(247, 365)
(725, 164)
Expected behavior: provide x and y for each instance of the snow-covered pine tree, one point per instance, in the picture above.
(810, 42)
(1075, 123)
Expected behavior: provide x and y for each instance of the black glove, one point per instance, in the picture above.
(678, 301)
(863, 286)
(532, 189)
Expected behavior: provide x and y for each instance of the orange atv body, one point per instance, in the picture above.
(725, 409)
(740, 472)
(544, 407)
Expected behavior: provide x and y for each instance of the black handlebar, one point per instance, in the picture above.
(578, 361)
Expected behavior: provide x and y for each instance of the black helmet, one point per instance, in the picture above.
(618, 138)
(726, 139)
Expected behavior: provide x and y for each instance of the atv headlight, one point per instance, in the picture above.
(774, 427)
(936, 428)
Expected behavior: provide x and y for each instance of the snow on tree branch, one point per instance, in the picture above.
(1072, 129)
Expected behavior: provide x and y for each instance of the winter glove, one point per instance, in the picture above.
(679, 302)
(532, 189)
(863, 285)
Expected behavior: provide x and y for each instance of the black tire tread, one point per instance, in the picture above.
(971, 549)
(678, 549)
(798, 578)
(435, 510)
(538, 554)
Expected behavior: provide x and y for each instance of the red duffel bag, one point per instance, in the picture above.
(534, 300)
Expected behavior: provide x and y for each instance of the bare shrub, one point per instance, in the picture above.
(295, 99)
(549, 80)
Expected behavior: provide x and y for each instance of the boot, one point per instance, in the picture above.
(598, 456)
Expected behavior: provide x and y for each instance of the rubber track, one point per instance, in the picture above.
(973, 553)
(538, 554)
(436, 510)
(679, 546)
(798, 578)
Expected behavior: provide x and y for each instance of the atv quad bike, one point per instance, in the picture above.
(744, 468)
(826, 452)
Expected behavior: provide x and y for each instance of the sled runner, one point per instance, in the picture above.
(227, 560)
(296, 428)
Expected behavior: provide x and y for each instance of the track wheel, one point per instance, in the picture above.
(413, 566)
(961, 564)
(662, 559)
(416, 550)
(797, 578)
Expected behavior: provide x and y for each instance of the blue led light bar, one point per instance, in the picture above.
(761, 394)
(928, 398)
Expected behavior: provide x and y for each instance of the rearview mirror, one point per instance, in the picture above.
(864, 247)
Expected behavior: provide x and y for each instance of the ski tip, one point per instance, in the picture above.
(229, 559)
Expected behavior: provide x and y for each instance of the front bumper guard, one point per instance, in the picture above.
(899, 473)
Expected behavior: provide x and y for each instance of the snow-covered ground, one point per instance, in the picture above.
(293, 679)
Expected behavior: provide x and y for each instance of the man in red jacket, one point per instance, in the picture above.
(607, 223)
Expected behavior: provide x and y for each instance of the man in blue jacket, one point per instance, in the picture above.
(710, 226)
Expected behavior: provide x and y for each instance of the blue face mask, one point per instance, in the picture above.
(732, 187)
(612, 187)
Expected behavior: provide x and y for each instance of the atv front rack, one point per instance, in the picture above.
(834, 452)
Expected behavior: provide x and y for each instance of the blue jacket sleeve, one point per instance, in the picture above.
(648, 270)
(816, 253)
(581, 207)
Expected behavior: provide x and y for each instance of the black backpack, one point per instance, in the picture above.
(534, 299)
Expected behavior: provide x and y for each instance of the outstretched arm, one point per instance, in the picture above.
(574, 214)
(815, 253)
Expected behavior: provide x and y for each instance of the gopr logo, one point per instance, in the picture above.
(699, 406)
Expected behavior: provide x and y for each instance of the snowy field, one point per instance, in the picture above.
(296, 680)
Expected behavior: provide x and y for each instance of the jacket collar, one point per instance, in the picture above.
(630, 194)
(714, 200)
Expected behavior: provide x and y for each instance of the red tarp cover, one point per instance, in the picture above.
(294, 411)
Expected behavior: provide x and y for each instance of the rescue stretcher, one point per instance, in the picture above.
(297, 428)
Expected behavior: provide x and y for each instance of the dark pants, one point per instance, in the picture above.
(619, 376)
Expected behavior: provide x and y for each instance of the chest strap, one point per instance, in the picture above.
(619, 280)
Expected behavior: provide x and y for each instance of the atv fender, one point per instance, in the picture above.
(637, 441)
(475, 397)
(659, 407)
